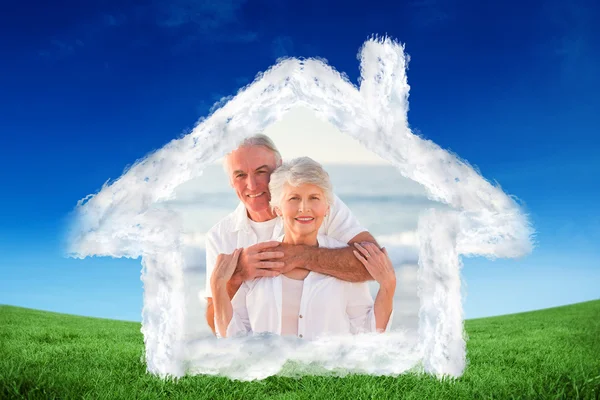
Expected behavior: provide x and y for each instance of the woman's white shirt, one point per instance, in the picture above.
(328, 306)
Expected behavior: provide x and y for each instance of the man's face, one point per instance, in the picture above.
(250, 169)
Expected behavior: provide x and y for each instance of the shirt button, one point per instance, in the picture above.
(300, 335)
(300, 316)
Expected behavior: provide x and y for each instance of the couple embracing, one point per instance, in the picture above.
(292, 259)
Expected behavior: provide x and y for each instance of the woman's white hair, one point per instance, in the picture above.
(297, 172)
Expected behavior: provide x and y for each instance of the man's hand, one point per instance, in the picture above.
(292, 256)
(340, 263)
(259, 260)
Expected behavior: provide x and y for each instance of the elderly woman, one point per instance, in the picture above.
(304, 303)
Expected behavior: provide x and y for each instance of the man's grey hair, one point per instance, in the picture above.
(299, 171)
(257, 140)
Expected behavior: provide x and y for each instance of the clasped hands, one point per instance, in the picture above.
(266, 259)
(269, 259)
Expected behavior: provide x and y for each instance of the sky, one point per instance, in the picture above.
(85, 90)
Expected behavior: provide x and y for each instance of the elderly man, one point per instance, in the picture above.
(254, 227)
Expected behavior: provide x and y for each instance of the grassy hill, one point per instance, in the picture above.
(552, 353)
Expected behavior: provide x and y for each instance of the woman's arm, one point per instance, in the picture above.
(384, 304)
(232, 287)
(223, 310)
(381, 269)
(363, 314)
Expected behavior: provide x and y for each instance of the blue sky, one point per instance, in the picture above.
(88, 89)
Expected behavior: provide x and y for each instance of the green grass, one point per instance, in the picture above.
(553, 353)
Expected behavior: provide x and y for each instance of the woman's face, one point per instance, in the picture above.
(302, 209)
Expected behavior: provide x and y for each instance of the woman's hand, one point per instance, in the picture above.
(378, 263)
(225, 267)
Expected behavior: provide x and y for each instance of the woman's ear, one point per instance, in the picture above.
(327, 212)
(277, 211)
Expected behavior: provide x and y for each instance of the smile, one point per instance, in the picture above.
(253, 196)
(304, 219)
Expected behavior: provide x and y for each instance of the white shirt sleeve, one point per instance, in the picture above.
(240, 321)
(341, 223)
(360, 309)
(211, 259)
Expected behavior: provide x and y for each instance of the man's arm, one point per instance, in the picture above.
(339, 263)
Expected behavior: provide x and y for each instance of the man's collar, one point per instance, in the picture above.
(242, 221)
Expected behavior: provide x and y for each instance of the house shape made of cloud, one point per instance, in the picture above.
(119, 221)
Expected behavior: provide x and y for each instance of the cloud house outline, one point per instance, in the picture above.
(121, 220)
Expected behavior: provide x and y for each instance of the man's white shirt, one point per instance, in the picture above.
(235, 231)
